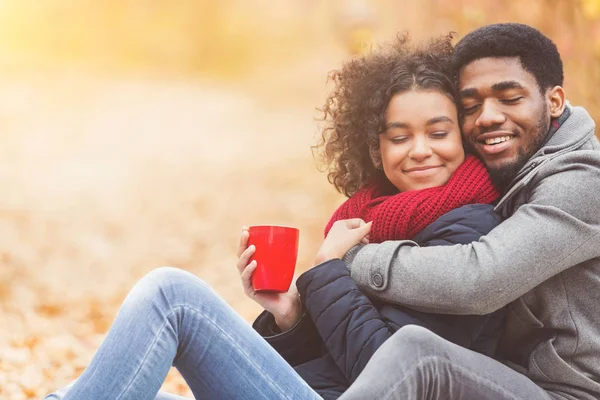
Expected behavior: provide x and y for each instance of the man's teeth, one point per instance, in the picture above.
(497, 140)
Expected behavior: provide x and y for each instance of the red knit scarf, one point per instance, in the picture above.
(403, 215)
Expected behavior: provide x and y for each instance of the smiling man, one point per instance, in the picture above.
(507, 113)
(543, 261)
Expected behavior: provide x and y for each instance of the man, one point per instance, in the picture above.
(543, 261)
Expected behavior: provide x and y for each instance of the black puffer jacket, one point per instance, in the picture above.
(342, 327)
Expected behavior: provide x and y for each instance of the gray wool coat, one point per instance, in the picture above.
(543, 262)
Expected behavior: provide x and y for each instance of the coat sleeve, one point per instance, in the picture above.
(558, 227)
(298, 345)
(348, 322)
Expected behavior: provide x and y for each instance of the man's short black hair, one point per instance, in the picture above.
(537, 53)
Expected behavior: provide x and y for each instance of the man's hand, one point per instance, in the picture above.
(344, 234)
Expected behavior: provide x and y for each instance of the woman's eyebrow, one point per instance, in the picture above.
(401, 125)
(436, 120)
(431, 121)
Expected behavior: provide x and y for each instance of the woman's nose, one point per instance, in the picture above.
(420, 150)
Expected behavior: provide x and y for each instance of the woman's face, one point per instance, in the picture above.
(421, 146)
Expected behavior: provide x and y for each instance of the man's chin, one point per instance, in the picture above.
(502, 175)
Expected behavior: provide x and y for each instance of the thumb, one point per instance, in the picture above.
(354, 223)
(363, 230)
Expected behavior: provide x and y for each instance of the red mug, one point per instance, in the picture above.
(275, 255)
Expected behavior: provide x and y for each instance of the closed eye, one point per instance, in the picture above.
(514, 100)
(439, 135)
(399, 139)
(470, 109)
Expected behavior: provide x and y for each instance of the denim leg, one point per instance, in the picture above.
(59, 394)
(173, 318)
(417, 364)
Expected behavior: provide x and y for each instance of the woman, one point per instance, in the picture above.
(394, 143)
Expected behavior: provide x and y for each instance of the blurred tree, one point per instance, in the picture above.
(354, 23)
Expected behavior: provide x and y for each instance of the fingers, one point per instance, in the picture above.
(244, 259)
(244, 266)
(366, 227)
(243, 241)
(361, 234)
(359, 225)
(354, 223)
(357, 229)
(246, 275)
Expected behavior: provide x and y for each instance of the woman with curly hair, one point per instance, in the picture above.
(392, 144)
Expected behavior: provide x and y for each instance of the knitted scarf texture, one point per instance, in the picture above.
(402, 215)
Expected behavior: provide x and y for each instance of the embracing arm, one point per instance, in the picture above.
(557, 228)
(350, 325)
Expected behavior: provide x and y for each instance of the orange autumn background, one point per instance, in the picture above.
(136, 134)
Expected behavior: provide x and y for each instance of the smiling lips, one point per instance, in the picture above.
(494, 143)
(422, 171)
(497, 140)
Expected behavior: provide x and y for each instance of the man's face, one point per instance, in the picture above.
(506, 118)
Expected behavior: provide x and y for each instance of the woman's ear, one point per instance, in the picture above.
(556, 97)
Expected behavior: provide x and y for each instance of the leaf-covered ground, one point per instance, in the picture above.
(104, 179)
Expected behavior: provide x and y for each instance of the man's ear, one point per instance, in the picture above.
(556, 97)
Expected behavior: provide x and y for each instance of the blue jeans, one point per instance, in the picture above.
(172, 318)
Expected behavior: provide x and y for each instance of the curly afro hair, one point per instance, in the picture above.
(536, 52)
(354, 111)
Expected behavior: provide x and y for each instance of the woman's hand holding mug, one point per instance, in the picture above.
(285, 307)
